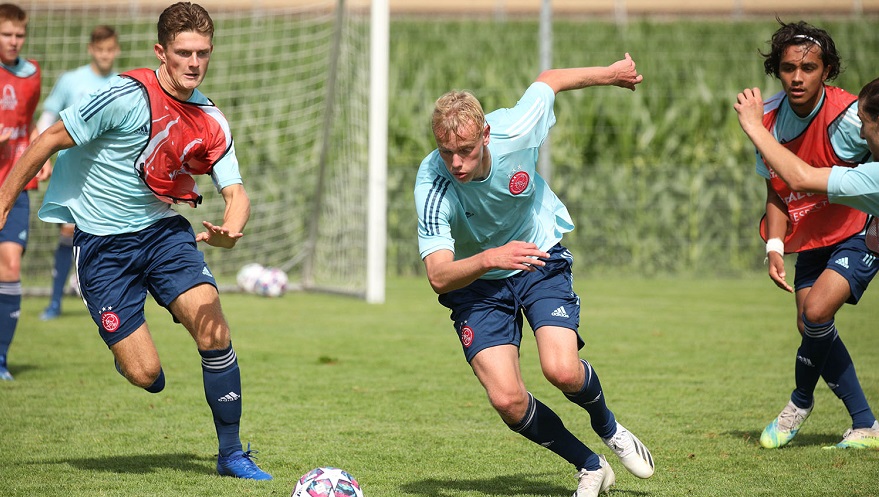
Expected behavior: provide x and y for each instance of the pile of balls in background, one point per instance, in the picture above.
(263, 281)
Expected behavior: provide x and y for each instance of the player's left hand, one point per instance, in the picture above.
(749, 106)
(217, 236)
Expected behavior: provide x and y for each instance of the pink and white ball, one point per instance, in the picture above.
(327, 482)
(271, 282)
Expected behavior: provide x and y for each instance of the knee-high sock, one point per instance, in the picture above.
(811, 357)
(222, 389)
(542, 426)
(591, 398)
(63, 262)
(839, 373)
(10, 308)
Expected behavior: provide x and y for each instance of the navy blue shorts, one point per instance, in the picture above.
(116, 272)
(850, 258)
(488, 313)
(16, 228)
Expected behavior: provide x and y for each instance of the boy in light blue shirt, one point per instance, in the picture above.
(128, 240)
(489, 232)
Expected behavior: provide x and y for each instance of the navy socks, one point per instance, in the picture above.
(839, 373)
(811, 358)
(591, 398)
(10, 308)
(222, 388)
(63, 263)
(543, 426)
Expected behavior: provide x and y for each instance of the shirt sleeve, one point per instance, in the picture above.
(528, 123)
(226, 171)
(856, 187)
(432, 202)
(845, 136)
(761, 168)
(121, 106)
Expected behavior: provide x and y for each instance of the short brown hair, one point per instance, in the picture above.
(183, 17)
(103, 32)
(13, 13)
(454, 112)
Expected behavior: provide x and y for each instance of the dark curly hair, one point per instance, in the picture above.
(801, 33)
(868, 99)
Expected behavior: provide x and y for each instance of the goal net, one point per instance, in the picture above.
(293, 79)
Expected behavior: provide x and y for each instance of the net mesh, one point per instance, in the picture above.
(293, 119)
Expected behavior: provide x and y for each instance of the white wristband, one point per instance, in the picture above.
(775, 245)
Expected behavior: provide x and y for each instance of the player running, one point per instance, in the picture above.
(819, 123)
(489, 232)
(129, 152)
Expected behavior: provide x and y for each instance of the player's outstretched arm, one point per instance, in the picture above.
(446, 274)
(29, 164)
(234, 218)
(798, 175)
(621, 73)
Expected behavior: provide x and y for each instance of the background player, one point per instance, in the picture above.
(489, 232)
(128, 239)
(819, 123)
(71, 87)
(20, 80)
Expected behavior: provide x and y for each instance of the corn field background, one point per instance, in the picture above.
(659, 181)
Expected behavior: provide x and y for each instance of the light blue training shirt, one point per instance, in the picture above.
(512, 203)
(855, 187)
(94, 184)
(72, 87)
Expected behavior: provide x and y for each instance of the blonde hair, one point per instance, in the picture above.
(456, 112)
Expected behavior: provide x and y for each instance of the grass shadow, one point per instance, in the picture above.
(515, 484)
(18, 369)
(752, 437)
(142, 463)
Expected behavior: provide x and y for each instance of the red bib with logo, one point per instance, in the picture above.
(814, 222)
(18, 101)
(186, 139)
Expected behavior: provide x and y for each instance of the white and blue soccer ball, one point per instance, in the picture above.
(248, 275)
(271, 282)
(327, 482)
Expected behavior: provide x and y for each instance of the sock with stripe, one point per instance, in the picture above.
(10, 308)
(811, 357)
(222, 388)
(591, 398)
(543, 426)
(839, 373)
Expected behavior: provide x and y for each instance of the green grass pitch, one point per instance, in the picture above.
(695, 368)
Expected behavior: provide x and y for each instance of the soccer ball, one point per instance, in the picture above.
(248, 275)
(271, 282)
(327, 482)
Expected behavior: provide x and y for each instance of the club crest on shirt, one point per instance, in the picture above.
(8, 101)
(467, 336)
(519, 182)
(110, 321)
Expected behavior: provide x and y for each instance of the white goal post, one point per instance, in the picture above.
(304, 86)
